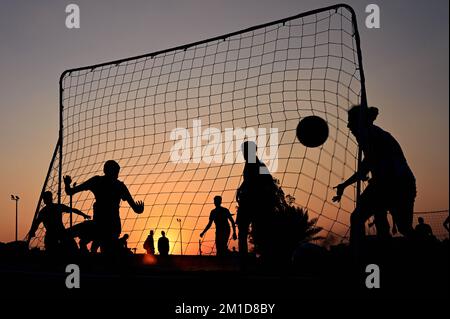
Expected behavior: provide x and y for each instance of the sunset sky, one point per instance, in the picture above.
(405, 61)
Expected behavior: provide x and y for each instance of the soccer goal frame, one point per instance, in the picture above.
(56, 165)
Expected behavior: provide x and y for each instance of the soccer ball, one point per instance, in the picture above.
(312, 131)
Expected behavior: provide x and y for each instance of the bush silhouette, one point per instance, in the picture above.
(276, 235)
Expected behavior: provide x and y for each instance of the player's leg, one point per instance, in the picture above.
(219, 242)
(50, 243)
(85, 232)
(226, 237)
(403, 210)
(382, 224)
(95, 246)
(366, 207)
(243, 236)
(404, 219)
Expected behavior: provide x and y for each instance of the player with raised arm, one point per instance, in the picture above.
(108, 192)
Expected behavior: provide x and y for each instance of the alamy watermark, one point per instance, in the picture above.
(373, 19)
(373, 277)
(211, 145)
(73, 277)
(73, 17)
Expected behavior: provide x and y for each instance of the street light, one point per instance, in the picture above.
(16, 198)
(181, 238)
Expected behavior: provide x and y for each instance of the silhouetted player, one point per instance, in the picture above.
(108, 192)
(423, 230)
(220, 216)
(163, 244)
(255, 197)
(50, 215)
(123, 244)
(149, 244)
(392, 186)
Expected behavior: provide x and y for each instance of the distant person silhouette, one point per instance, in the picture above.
(123, 244)
(220, 216)
(56, 235)
(163, 244)
(423, 230)
(149, 244)
(108, 192)
(392, 186)
(255, 197)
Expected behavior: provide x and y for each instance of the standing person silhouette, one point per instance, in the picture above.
(423, 231)
(163, 244)
(392, 185)
(256, 199)
(56, 234)
(108, 192)
(220, 216)
(149, 244)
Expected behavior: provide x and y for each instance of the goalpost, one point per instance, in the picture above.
(262, 79)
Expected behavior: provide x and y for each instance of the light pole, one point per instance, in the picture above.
(16, 198)
(181, 238)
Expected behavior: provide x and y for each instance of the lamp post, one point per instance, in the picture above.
(181, 238)
(16, 198)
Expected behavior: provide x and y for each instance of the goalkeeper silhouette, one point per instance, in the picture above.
(392, 186)
(108, 192)
(57, 237)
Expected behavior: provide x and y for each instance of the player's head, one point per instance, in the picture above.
(249, 151)
(163, 233)
(361, 117)
(217, 200)
(47, 197)
(126, 236)
(151, 232)
(111, 169)
(420, 220)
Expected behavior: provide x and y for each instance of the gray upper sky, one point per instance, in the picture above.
(406, 65)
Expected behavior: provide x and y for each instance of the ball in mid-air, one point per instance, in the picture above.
(312, 131)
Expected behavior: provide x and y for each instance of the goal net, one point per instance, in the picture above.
(175, 119)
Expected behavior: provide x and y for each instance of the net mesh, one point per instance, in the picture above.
(267, 77)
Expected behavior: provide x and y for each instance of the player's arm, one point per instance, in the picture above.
(430, 231)
(66, 209)
(138, 207)
(360, 175)
(207, 226)
(78, 188)
(34, 226)
(230, 218)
